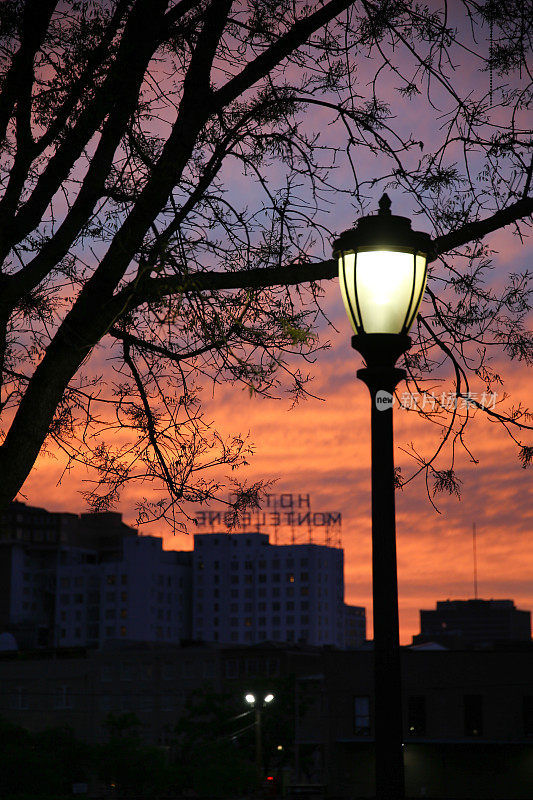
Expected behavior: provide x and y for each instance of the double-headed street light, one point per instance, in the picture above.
(382, 273)
(258, 705)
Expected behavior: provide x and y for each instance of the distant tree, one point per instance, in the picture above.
(129, 765)
(44, 763)
(166, 169)
(211, 749)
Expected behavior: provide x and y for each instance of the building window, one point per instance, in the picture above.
(126, 671)
(528, 715)
(362, 716)
(290, 578)
(234, 622)
(63, 698)
(416, 716)
(473, 711)
(20, 698)
(248, 622)
(231, 668)
(235, 579)
(111, 580)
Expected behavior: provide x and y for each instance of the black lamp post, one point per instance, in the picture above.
(382, 272)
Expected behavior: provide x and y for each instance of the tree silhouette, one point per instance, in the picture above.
(167, 166)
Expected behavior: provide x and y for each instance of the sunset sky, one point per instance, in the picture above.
(322, 447)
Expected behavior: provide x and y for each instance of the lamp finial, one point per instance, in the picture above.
(384, 204)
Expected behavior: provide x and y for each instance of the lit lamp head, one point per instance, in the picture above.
(382, 273)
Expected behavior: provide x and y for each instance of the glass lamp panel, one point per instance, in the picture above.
(384, 289)
(420, 287)
(347, 283)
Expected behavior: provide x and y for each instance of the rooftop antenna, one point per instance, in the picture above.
(474, 547)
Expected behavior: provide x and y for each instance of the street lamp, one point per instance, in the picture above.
(258, 707)
(382, 273)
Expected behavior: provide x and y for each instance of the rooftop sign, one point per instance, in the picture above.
(285, 510)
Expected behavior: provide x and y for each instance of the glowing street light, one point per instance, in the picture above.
(258, 707)
(382, 273)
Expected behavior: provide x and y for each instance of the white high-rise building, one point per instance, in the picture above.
(246, 590)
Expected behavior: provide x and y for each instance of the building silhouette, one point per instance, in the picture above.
(471, 623)
(467, 715)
